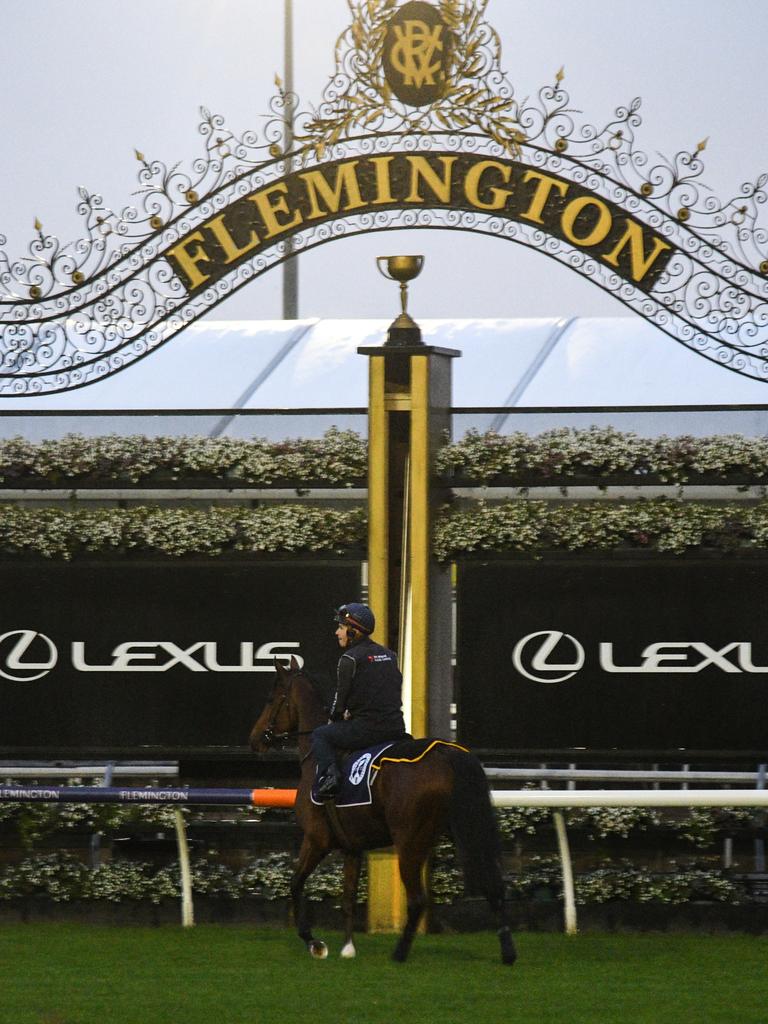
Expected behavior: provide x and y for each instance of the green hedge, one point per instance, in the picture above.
(532, 527)
(602, 453)
(662, 525)
(68, 532)
(340, 457)
(63, 877)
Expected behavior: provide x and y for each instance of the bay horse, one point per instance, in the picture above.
(413, 805)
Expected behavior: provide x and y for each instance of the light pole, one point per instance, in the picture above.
(291, 262)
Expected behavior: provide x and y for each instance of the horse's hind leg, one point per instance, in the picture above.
(352, 865)
(411, 870)
(496, 898)
(310, 856)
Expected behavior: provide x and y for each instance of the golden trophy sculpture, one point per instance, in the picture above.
(404, 330)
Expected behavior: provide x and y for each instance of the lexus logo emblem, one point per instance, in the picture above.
(13, 648)
(531, 656)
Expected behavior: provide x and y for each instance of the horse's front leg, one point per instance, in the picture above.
(352, 865)
(310, 856)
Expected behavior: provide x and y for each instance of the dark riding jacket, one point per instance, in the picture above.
(369, 686)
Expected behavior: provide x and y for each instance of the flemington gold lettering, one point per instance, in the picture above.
(466, 181)
(473, 183)
(383, 169)
(422, 170)
(188, 261)
(542, 194)
(228, 245)
(346, 182)
(269, 202)
(640, 264)
(595, 234)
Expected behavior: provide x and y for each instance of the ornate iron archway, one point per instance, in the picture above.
(417, 128)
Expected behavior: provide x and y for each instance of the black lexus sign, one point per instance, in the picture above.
(644, 656)
(123, 655)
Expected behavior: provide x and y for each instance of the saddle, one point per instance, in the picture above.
(359, 768)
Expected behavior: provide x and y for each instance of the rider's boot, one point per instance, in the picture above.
(328, 785)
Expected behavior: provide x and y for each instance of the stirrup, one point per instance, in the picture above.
(328, 786)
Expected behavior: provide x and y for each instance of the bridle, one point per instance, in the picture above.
(269, 736)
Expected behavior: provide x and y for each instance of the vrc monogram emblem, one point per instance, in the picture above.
(413, 52)
(417, 54)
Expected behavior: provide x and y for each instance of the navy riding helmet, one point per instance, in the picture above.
(356, 616)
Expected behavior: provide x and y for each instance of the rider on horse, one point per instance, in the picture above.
(367, 706)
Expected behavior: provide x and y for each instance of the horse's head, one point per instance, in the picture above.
(280, 716)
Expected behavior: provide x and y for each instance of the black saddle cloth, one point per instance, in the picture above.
(359, 768)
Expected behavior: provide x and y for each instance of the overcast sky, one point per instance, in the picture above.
(84, 82)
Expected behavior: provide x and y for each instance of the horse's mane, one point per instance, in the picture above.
(320, 688)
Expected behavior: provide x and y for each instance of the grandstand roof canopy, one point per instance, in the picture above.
(511, 365)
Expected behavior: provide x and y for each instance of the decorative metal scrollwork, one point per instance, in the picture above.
(412, 80)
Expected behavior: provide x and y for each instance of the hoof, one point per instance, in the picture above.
(317, 950)
(400, 956)
(348, 951)
(508, 951)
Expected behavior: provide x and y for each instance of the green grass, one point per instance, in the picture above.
(81, 974)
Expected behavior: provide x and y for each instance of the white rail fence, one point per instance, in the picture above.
(559, 799)
(555, 799)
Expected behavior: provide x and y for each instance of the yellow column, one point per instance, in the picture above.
(387, 905)
(378, 500)
(418, 534)
(386, 895)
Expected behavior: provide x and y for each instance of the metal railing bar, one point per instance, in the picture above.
(363, 411)
(167, 413)
(26, 771)
(619, 775)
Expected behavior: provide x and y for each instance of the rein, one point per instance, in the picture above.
(269, 736)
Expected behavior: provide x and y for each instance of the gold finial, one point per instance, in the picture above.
(139, 156)
(278, 81)
(38, 225)
(702, 145)
(560, 74)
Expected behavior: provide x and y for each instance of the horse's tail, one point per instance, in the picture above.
(474, 826)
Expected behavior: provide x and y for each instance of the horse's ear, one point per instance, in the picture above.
(281, 673)
(294, 664)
